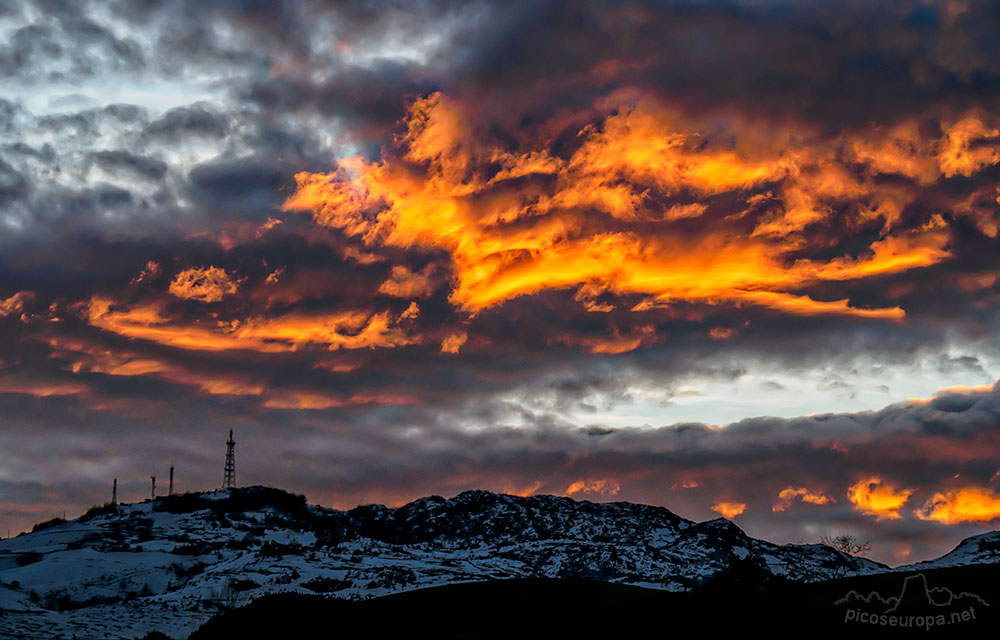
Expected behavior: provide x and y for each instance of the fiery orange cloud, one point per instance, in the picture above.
(453, 342)
(789, 494)
(729, 510)
(603, 486)
(509, 235)
(523, 492)
(341, 330)
(14, 304)
(959, 155)
(209, 284)
(403, 283)
(968, 504)
(872, 498)
(274, 276)
(411, 312)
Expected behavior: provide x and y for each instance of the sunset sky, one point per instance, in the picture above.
(731, 258)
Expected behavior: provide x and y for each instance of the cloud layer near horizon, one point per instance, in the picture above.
(457, 245)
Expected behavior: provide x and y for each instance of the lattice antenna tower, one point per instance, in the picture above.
(229, 476)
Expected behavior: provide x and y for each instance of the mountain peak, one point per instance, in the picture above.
(170, 556)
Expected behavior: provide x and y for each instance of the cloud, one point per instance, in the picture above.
(205, 284)
(139, 166)
(196, 121)
(523, 492)
(41, 389)
(729, 509)
(601, 486)
(403, 283)
(342, 330)
(453, 342)
(872, 498)
(152, 271)
(15, 303)
(789, 494)
(625, 169)
(967, 504)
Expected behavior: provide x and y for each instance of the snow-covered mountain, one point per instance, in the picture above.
(981, 549)
(170, 564)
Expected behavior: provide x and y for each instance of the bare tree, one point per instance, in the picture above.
(846, 544)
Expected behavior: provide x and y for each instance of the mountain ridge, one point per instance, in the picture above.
(169, 564)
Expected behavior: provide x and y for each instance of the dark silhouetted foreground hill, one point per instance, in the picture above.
(524, 609)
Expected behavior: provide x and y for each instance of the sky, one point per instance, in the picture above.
(737, 258)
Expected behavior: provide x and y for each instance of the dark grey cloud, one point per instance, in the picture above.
(195, 121)
(121, 160)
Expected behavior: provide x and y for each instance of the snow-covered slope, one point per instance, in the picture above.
(981, 549)
(169, 565)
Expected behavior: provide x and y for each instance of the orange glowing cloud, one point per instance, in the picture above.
(209, 284)
(411, 312)
(341, 330)
(967, 146)
(603, 486)
(968, 504)
(511, 234)
(453, 342)
(729, 510)
(872, 498)
(15, 303)
(788, 495)
(93, 359)
(403, 283)
(523, 492)
(960, 156)
(622, 343)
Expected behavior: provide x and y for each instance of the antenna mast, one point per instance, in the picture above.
(152, 491)
(114, 492)
(170, 491)
(229, 477)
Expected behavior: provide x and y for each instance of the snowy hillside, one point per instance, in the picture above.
(981, 549)
(171, 564)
